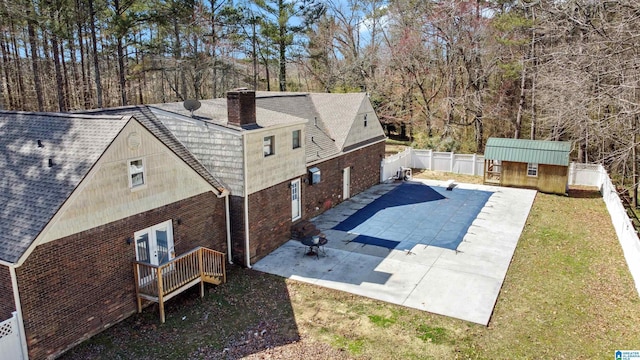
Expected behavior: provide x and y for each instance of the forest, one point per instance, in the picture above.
(444, 74)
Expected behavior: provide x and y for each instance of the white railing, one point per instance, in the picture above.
(579, 174)
(10, 344)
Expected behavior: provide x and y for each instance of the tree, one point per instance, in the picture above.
(282, 21)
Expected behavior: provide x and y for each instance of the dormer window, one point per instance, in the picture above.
(136, 173)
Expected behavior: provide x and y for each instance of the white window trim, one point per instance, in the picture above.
(293, 145)
(530, 167)
(272, 147)
(296, 183)
(131, 173)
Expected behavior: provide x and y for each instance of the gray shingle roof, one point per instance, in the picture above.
(319, 143)
(146, 117)
(218, 149)
(338, 112)
(32, 191)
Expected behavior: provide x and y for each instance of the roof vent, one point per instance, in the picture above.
(40, 143)
(51, 162)
(192, 105)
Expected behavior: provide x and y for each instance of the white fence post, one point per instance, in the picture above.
(430, 159)
(453, 158)
(473, 166)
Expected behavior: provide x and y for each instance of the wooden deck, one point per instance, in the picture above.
(159, 283)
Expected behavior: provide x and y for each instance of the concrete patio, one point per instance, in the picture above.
(418, 270)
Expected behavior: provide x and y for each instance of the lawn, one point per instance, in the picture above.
(567, 294)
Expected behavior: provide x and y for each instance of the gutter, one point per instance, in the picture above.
(247, 251)
(16, 299)
(228, 223)
(320, 161)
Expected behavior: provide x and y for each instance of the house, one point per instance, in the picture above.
(95, 206)
(286, 157)
(536, 164)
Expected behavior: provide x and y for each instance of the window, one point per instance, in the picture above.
(365, 120)
(268, 146)
(296, 139)
(532, 169)
(136, 173)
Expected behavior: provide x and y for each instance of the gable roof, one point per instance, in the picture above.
(43, 158)
(528, 151)
(319, 142)
(146, 117)
(338, 112)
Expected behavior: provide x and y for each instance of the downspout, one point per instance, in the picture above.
(247, 250)
(228, 222)
(16, 299)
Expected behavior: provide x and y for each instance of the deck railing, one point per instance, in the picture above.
(159, 283)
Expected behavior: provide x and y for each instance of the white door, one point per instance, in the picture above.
(346, 183)
(154, 245)
(296, 212)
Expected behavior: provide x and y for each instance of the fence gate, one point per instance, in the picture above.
(10, 345)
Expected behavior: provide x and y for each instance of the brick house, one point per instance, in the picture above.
(85, 197)
(269, 147)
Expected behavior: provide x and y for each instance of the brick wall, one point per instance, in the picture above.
(74, 287)
(365, 172)
(7, 305)
(270, 209)
(269, 219)
(236, 213)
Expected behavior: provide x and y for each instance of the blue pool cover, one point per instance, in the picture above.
(414, 213)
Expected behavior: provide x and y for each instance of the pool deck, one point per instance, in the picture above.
(463, 283)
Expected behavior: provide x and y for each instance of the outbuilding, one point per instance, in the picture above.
(535, 164)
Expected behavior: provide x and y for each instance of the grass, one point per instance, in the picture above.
(567, 294)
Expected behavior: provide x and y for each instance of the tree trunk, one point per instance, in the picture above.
(56, 64)
(523, 77)
(122, 81)
(31, 23)
(4, 49)
(282, 47)
(17, 59)
(634, 161)
(96, 61)
(85, 82)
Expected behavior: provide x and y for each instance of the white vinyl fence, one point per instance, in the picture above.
(469, 164)
(579, 174)
(10, 344)
(627, 235)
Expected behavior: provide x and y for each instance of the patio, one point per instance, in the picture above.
(416, 244)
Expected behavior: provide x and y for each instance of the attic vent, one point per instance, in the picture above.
(40, 143)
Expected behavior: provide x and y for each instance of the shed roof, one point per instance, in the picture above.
(528, 151)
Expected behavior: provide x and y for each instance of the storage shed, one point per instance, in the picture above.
(536, 164)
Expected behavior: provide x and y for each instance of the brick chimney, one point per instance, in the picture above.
(241, 107)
